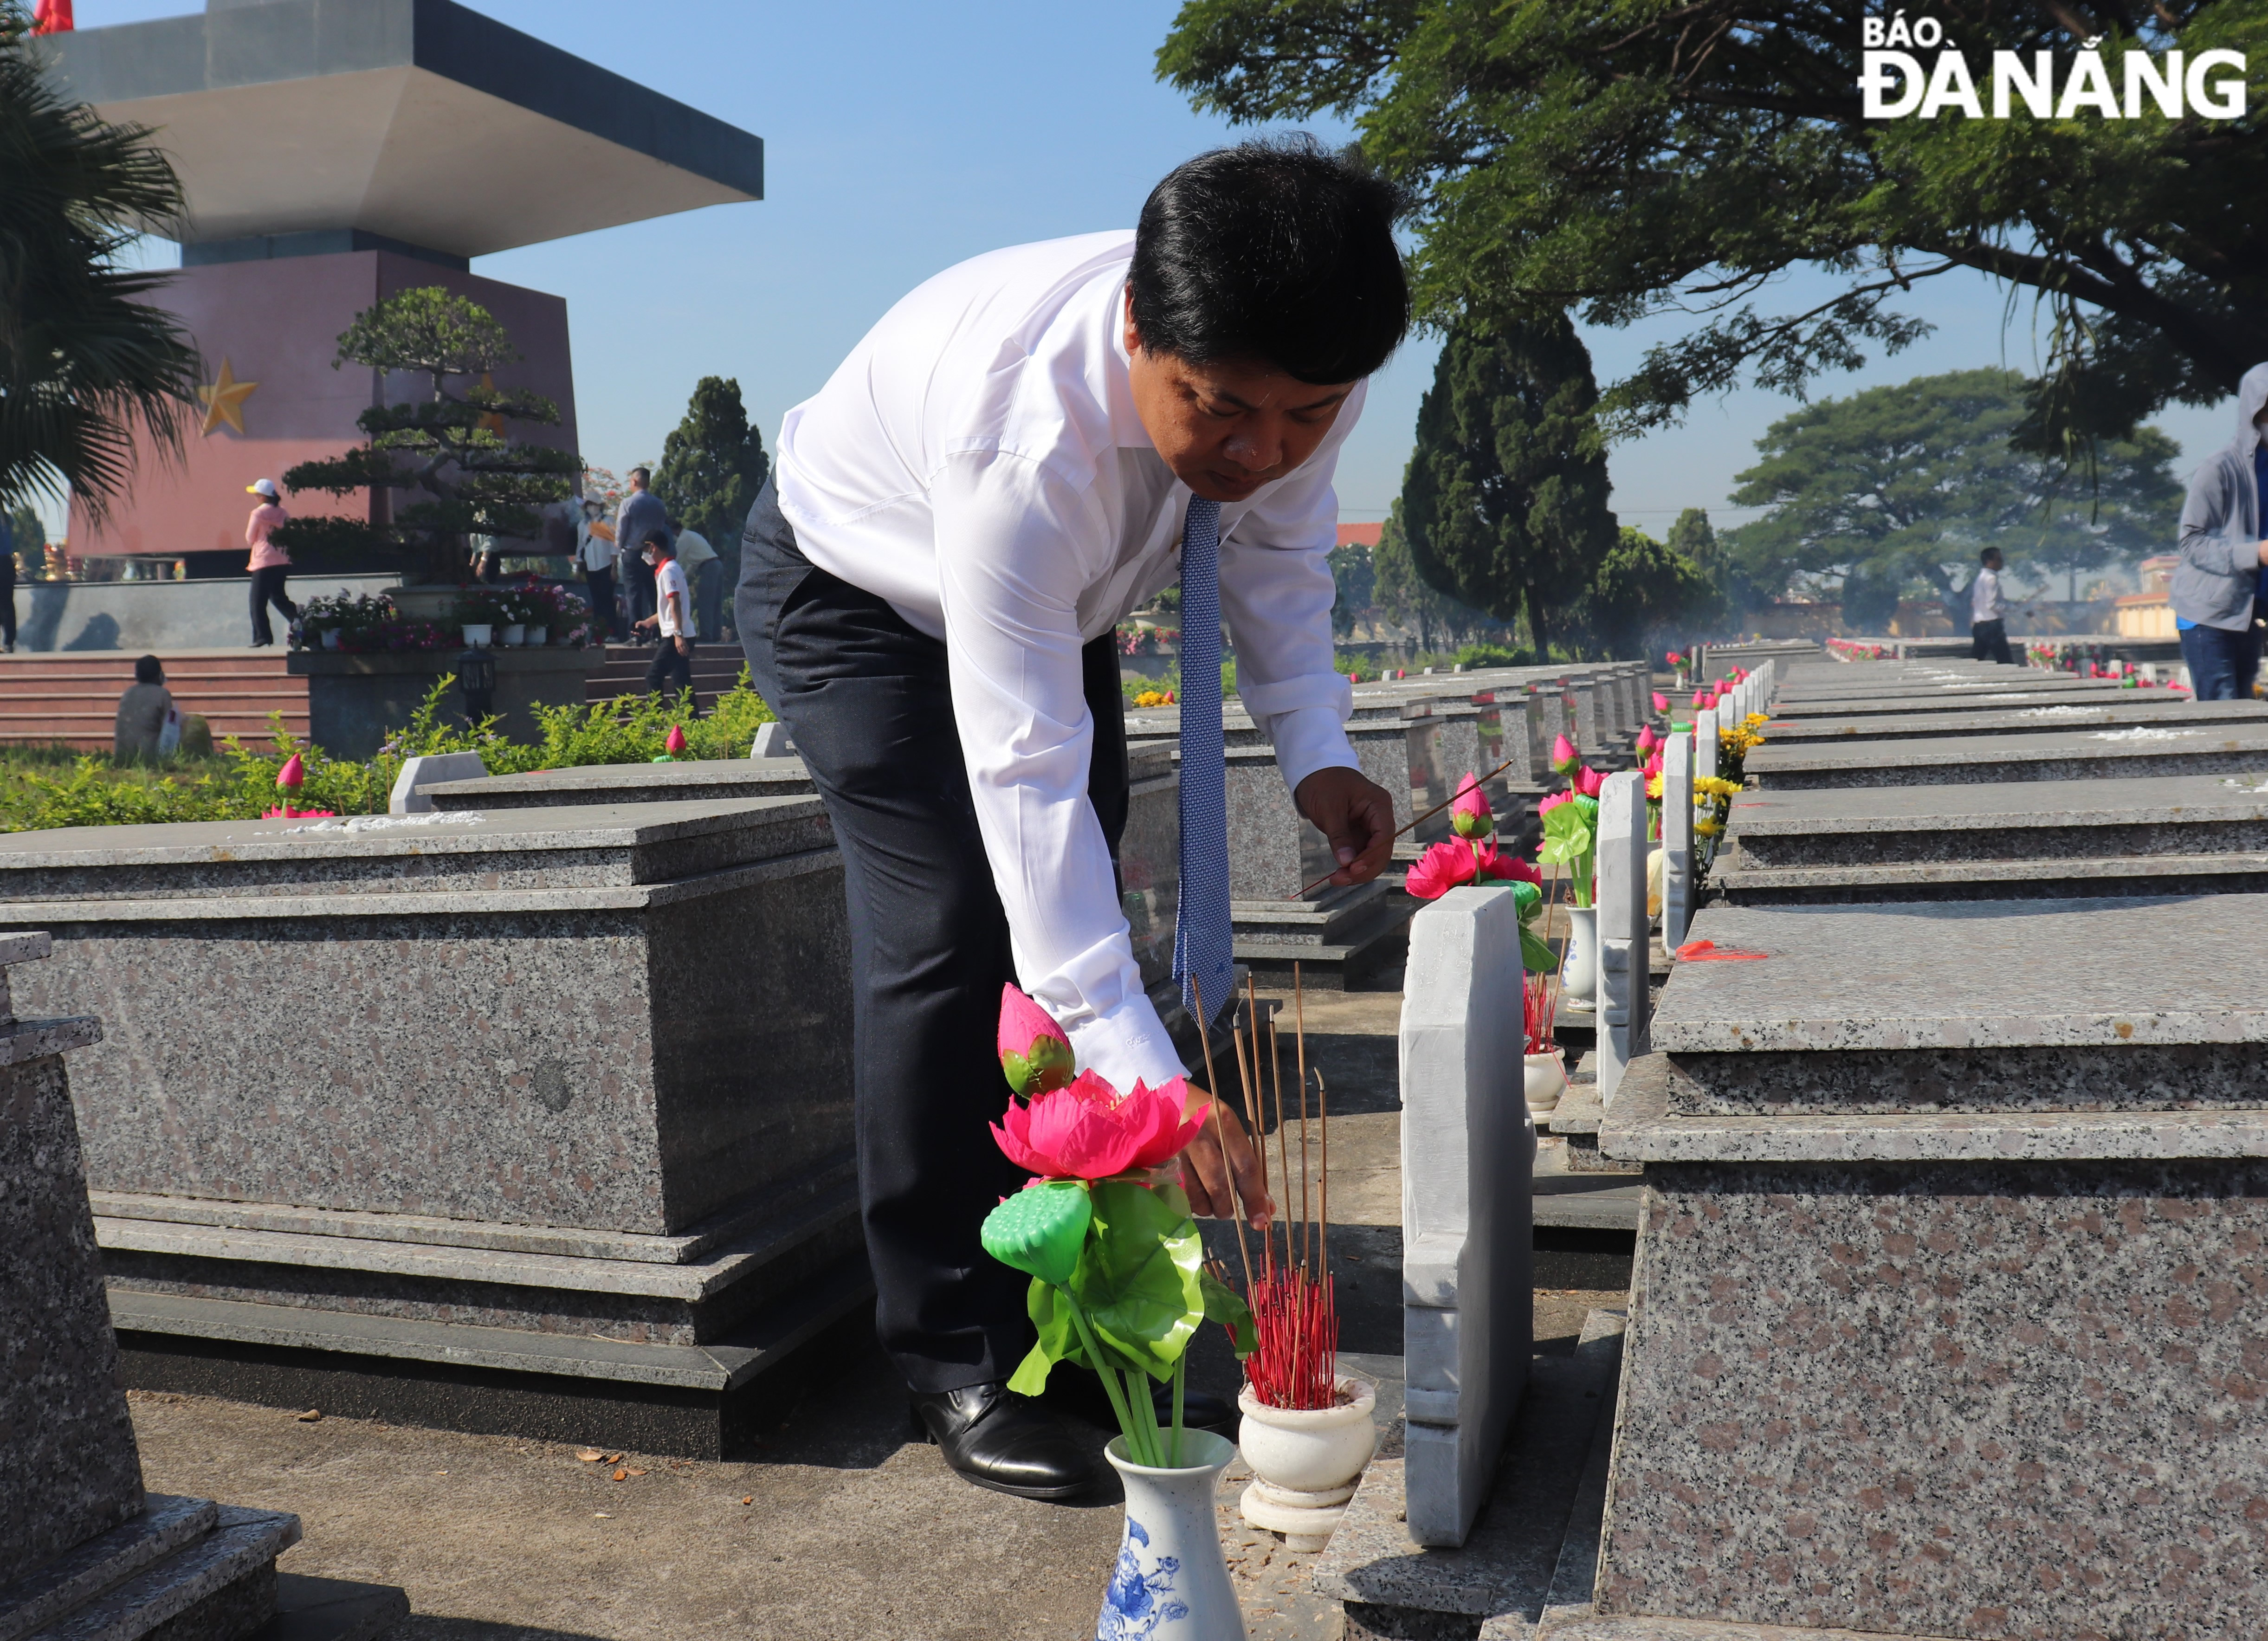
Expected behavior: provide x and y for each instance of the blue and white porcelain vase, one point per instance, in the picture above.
(1170, 1582)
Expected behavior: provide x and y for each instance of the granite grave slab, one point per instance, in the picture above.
(2130, 709)
(84, 1552)
(1939, 1325)
(489, 1089)
(2085, 755)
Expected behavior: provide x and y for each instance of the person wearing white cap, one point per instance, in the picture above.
(270, 564)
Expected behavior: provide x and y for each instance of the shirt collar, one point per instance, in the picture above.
(1126, 430)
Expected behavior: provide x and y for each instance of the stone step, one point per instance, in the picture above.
(188, 1568)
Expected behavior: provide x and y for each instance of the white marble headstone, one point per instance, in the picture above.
(1468, 1154)
(431, 769)
(1676, 839)
(1625, 929)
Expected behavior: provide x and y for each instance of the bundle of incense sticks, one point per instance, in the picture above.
(1540, 993)
(1294, 1308)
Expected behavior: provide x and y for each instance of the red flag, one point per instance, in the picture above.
(52, 17)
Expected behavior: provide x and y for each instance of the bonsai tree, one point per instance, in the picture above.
(450, 448)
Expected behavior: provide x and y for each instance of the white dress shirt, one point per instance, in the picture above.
(1985, 602)
(978, 462)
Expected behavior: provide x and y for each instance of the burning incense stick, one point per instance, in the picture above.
(1419, 821)
(1236, 1214)
(1299, 1029)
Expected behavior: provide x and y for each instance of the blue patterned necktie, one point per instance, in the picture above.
(1203, 948)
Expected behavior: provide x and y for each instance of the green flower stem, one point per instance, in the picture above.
(1102, 1368)
(1181, 1374)
(1137, 1392)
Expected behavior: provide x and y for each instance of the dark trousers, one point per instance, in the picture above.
(8, 604)
(1988, 641)
(637, 587)
(267, 589)
(670, 671)
(2223, 663)
(867, 702)
(604, 614)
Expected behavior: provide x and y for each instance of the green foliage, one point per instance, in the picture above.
(1640, 158)
(1641, 587)
(450, 449)
(241, 784)
(1907, 483)
(84, 362)
(712, 467)
(1354, 582)
(1695, 538)
(1133, 684)
(1405, 598)
(1505, 495)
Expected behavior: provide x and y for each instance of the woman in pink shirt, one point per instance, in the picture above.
(270, 564)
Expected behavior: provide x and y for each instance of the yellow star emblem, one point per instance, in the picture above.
(493, 421)
(224, 400)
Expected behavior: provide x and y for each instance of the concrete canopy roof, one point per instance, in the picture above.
(414, 120)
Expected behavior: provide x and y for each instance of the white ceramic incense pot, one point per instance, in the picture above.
(1546, 1080)
(1579, 982)
(538, 637)
(515, 634)
(1305, 1462)
(479, 634)
(1171, 1580)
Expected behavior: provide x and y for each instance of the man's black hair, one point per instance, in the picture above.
(659, 540)
(1277, 251)
(148, 669)
(1989, 555)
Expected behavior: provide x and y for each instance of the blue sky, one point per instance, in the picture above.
(901, 137)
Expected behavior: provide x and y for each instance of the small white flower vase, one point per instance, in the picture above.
(515, 634)
(1579, 982)
(1170, 1582)
(1545, 1081)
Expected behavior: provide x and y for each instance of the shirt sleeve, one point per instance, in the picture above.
(1015, 545)
(2210, 516)
(1276, 592)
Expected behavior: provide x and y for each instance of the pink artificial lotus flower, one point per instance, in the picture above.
(1647, 740)
(1088, 1131)
(1035, 1054)
(1588, 782)
(1652, 767)
(1565, 756)
(1674, 659)
(294, 775)
(1661, 702)
(1441, 869)
(1492, 863)
(1553, 802)
(675, 743)
(1470, 814)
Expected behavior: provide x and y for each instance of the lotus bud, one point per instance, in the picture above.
(1647, 740)
(1035, 1054)
(1469, 813)
(675, 741)
(294, 775)
(1661, 702)
(1564, 758)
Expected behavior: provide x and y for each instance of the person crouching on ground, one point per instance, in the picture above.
(142, 712)
(672, 620)
(2218, 585)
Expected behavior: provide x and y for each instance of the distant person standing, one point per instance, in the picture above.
(639, 516)
(594, 550)
(673, 618)
(1988, 613)
(142, 712)
(2217, 586)
(270, 565)
(704, 573)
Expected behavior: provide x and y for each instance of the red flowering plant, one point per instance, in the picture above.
(1117, 1268)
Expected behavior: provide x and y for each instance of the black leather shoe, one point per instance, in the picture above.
(995, 1439)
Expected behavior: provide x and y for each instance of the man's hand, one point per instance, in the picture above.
(642, 623)
(1358, 818)
(684, 645)
(1206, 1179)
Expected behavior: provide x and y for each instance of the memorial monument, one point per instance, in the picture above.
(335, 152)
